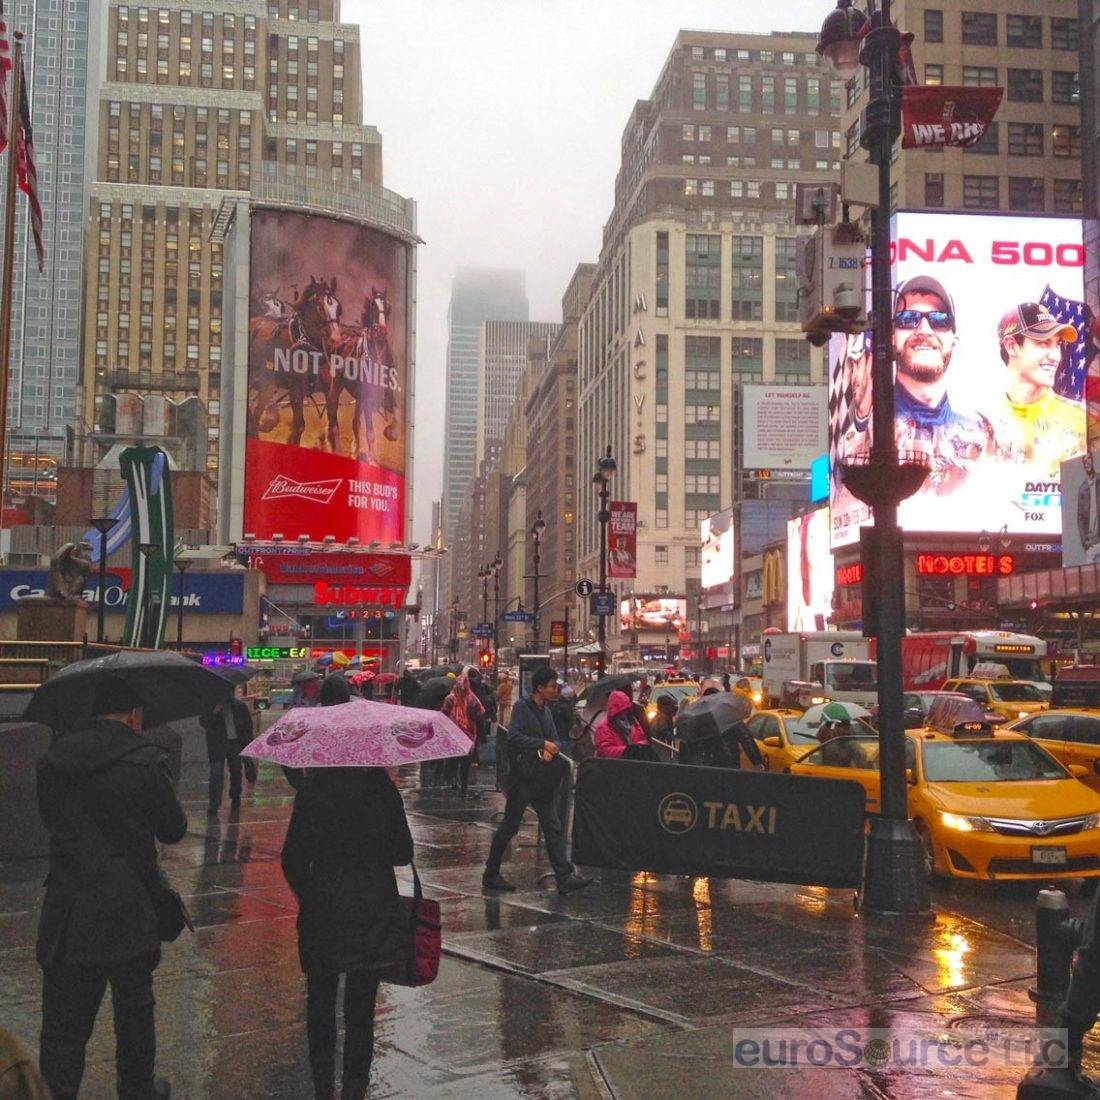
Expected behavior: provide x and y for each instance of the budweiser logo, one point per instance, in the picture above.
(320, 492)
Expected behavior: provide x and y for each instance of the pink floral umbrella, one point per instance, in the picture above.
(359, 734)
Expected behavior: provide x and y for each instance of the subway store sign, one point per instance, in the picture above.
(277, 653)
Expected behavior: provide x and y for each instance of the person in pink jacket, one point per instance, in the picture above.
(618, 729)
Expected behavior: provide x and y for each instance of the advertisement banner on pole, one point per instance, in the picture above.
(992, 340)
(934, 114)
(327, 379)
(785, 427)
(622, 540)
(558, 635)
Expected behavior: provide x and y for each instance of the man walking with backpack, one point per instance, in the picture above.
(534, 775)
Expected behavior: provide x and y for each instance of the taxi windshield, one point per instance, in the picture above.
(799, 733)
(988, 762)
(1016, 693)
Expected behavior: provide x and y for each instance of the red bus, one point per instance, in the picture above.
(927, 660)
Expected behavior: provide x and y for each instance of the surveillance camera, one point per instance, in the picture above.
(818, 339)
(848, 301)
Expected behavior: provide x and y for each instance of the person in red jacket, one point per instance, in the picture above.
(619, 734)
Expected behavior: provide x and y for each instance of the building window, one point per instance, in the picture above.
(981, 192)
(660, 555)
(1024, 30)
(1025, 139)
(1064, 34)
(1066, 141)
(933, 25)
(707, 188)
(767, 95)
(687, 132)
(703, 274)
(933, 74)
(747, 271)
(989, 143)
(933, 189)
(978, 76)
(661, 301)
(1025, 193)
(1067, 196)
(979, 28)
(791, 357)
(699, 91)
(744, 93)
(747, 358)
(786, 279)
(1064, 88)
(660, 518)
(1025, 85)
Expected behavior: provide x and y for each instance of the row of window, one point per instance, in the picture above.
(1021, 85)
(186, 18)
(1023, 193)
(692, 554)
(1028, 139)
(694, 518)
(980, 28)
(767, 95)
(747, 135)
(765, 57)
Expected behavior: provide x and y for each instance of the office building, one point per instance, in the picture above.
(1089, 17)
(695, 293)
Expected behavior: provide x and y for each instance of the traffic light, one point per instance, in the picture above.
(485, 658)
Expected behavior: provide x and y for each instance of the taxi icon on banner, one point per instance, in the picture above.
(677, 813)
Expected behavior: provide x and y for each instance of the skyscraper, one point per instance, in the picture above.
(477, 295)
(199, 104)
(61, 57)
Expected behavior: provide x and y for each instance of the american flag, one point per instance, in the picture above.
(28, 173)
(5, 68)
(1069, 380)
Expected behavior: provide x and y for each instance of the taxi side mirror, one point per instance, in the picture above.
(772, 743)
(1078, 771)
(910, 777)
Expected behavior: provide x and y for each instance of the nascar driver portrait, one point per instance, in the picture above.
(924, 420)
(1032, 423)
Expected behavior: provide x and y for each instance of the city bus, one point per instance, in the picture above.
(927, 660)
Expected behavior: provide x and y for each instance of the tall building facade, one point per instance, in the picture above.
(199, 104)
(1089, 15)
(695, 294)
(503, 354)
(477, 295)
(62, 52)
(551, 415)
(1030, 158)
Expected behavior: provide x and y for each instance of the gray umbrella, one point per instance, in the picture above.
(235, 674)
(596, 695)
(712, 715)
(433, 692)
(305, 676)
(168, 685)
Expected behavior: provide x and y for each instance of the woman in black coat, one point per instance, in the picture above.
(347, 833)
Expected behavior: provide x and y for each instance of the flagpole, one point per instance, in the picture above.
(9, 253)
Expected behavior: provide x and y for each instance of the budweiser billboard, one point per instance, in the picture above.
(327, 379)
(622, 540)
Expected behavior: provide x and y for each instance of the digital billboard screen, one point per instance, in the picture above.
(717, 557)
(327, 379)
(810, 575)
(992, 342)
(653, 613)
(1081, 510)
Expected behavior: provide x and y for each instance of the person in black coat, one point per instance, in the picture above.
(347, 833)
(105, 794)
(408, 689)
(228, 728)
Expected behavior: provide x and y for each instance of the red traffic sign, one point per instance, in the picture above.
(558, 635)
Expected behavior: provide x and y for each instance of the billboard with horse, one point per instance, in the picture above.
(327, 379)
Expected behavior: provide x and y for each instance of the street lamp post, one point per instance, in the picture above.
(454, 630)
(894, 879)
(537, 529)
(181, 564)
(605, 471)
(102, 524)
(495, 566)
(149, 550)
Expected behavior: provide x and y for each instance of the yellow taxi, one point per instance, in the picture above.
(985, 806)
(784, 737)
(1070, 736)
(1011, 699)
(680, 691)
(751, 687)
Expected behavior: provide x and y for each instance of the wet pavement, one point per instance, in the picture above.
(634, 988)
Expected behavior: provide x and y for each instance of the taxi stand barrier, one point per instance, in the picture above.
(1057, 937)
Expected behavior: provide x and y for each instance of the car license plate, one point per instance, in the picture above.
(1049, 856)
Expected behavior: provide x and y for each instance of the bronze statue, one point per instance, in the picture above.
(69, 569)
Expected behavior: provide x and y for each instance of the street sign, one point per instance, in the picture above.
(603, 604)
(584, 588)
(518, 616)
(558, 634)
(483, 630)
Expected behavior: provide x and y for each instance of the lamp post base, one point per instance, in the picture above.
(894, 879)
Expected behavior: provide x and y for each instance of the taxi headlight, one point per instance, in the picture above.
(817, 700)
(962, 824)
(1092, 821)
(757, 698)
(1021, 714)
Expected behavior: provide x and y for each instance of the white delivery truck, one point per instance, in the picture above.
(816, 666)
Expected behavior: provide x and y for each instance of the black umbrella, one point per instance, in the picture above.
(305, 676)
(712, 715)
(168, 685)
(596, 695)
(433, 692)
(235, 674)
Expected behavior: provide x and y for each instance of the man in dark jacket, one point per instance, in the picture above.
(408, 688)
(531, 730)
(228, 728)
(106, 797)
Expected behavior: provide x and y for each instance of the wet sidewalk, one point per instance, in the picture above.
(633, 988)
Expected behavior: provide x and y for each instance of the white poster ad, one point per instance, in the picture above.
(786, 427)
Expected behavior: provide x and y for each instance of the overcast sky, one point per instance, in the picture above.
(503, 118)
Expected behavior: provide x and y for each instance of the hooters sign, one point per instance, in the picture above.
(934, 115)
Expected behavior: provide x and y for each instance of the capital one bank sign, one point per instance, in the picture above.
(203, 593)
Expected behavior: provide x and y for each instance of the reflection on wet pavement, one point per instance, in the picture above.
(630, 989)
